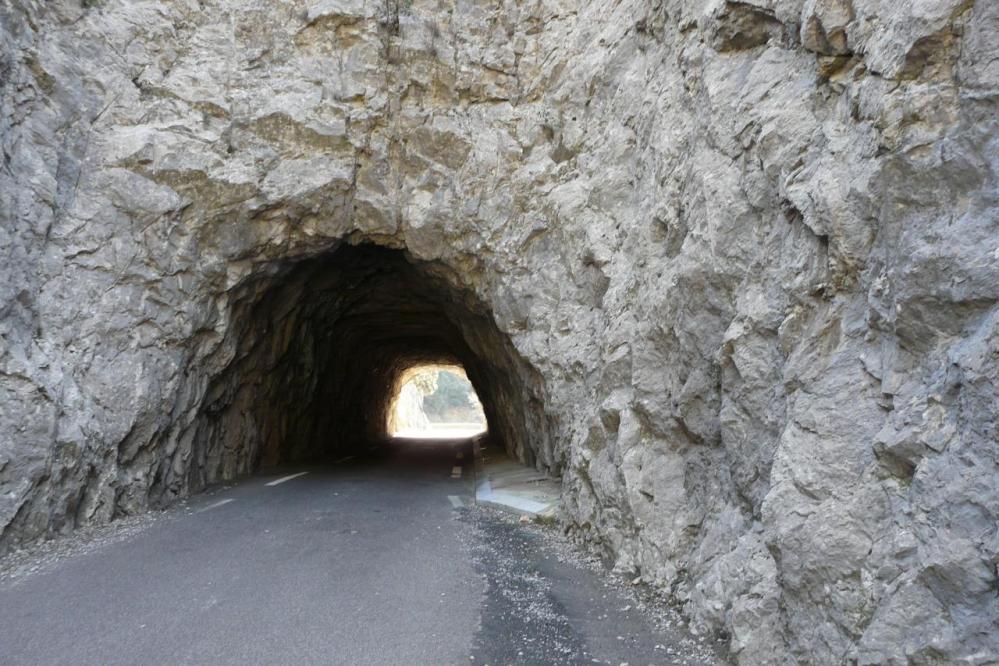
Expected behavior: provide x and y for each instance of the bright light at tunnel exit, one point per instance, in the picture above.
(435, 402)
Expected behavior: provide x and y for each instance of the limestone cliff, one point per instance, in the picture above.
(730, 268)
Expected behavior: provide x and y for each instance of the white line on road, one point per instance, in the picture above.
(337, 462)
(455, 501)
(456, 472)
(285, 478)
(216, 505)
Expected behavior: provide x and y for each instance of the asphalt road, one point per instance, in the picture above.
(373, 560)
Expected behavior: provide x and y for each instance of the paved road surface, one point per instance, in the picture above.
(373, 560)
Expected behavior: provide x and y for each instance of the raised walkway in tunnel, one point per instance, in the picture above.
(376, 559)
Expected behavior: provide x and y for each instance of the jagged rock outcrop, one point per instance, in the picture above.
(730, 268)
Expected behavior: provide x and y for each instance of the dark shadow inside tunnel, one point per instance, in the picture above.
(314, 350)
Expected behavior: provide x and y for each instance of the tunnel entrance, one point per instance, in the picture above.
(316, 353)
(435, 402)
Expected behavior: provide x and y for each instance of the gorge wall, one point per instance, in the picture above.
(730, 269)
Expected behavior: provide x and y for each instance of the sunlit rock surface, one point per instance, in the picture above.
(730, 269)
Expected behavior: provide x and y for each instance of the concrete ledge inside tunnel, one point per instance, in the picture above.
(317, 353)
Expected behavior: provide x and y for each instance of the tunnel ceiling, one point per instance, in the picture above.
(319, 347)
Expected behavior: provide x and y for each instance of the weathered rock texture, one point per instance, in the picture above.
(730, 268)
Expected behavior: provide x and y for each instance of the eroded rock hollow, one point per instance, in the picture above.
(728, 268)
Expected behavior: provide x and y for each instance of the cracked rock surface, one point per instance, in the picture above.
(729, 269)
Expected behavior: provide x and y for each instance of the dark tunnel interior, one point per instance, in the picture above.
(316, 349)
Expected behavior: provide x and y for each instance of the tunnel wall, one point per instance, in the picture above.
(739, 256)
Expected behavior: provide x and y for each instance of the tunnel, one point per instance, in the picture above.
(317, 348)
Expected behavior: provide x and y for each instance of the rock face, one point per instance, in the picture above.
(731, 269)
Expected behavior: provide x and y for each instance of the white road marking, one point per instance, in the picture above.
(456, 472)
(455, 501)
(216, 505)
(285, 478)
(337, 462)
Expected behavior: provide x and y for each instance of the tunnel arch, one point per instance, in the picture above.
(315, 346)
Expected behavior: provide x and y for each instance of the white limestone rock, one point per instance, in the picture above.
(743, 258)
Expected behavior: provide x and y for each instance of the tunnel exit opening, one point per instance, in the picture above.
(435, 402)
